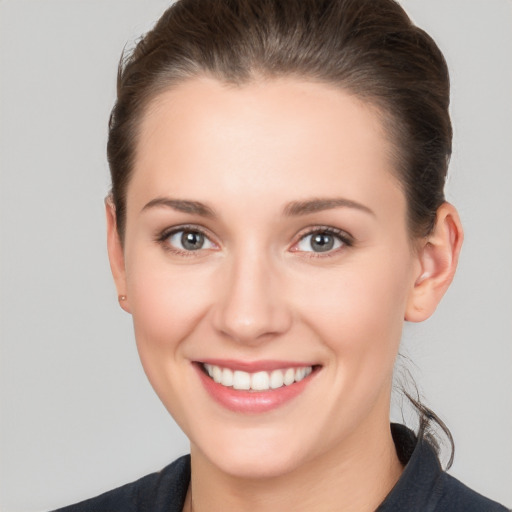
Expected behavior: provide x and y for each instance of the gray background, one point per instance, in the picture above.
(77, 414)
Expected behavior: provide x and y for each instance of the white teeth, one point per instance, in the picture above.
(241, 380)
(259, 381)
(227, 377)
(209, 369)
(217, 374)
(289, 376)
(276, 379)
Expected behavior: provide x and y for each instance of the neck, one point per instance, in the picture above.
(355, 476)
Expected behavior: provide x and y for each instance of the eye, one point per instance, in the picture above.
(187, 240)
(324, 240)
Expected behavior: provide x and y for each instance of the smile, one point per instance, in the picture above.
(256, 387)
(257, 381)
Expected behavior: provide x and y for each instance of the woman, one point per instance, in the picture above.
(277, 212)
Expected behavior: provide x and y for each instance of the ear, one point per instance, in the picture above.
(438, 255)
(116, 254)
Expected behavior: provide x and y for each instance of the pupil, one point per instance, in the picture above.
(192, 241)
(322, 242)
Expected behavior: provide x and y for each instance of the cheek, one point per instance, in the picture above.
(166, 301)
(359, 309)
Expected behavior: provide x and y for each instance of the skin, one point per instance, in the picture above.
(257, 290)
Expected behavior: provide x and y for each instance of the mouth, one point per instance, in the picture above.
(256, 381)
(254, 387)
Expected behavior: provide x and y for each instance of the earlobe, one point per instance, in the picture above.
(438, 257)
(116, 254)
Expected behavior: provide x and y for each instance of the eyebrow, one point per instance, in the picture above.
(181, 205)
(295, 208)
(319, 204)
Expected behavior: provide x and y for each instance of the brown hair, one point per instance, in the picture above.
(369, 48)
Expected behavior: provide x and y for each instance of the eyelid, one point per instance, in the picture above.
(163, 236)
(346, 238)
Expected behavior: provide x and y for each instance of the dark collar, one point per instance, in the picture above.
(412, 491)
(421, 474)
(422, 487)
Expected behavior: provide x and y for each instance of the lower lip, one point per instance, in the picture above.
(252, 401)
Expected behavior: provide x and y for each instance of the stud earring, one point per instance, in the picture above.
(121, 298)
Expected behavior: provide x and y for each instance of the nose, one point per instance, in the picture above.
(251, 305)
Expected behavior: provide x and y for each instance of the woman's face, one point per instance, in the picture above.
(266, 242)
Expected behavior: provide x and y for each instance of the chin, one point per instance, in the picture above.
(255, 455)
(257, 467)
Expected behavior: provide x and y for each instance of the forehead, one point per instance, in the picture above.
(261, 139)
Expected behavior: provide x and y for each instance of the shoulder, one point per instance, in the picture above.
(425, 486)
(164, 490)
(452, 495)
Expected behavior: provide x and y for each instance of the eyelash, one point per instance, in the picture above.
(345, 238)
(166, 234)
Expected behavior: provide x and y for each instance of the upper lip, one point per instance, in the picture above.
(255, 366)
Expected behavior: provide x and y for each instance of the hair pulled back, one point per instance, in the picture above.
(369, 48)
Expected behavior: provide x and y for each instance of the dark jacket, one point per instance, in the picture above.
(422, 487)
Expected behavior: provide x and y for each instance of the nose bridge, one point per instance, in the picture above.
(252, 303)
